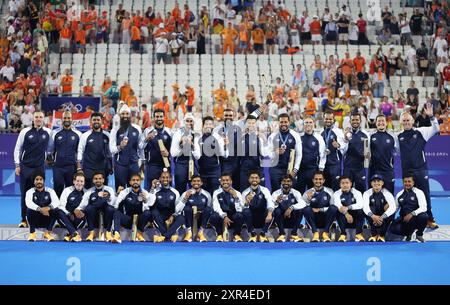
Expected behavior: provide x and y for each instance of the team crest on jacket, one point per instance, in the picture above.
(313, 143)
(35, 198)
(94, 198)
(374, 139)
(412, 198)
(292, 200)
(415, 136)
(159, 197)
(133, 133)
(401, 139)
(30, 136)
(60, 138)
(165, 137)
(46, 197)
(44, 136)
(72, 198)
(104, 140)
(290, 141)
(73, 138)
(388, 141)
(203, 200)
(91, 141)
(171, 197)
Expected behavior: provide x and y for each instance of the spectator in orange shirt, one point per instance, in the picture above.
(229, 35)
(258, 40)
(243, 39)
(176, 13)
(315, 29)
(64, 38)
(359, 62)
(190, 93)
(218, 110)
(125, 91)
(270, 39)
(80, 39)
(103, 28)
(88, 90)
(176, 94)
(136, 18)
(221, 93)
(66, 83)
(347, 66)
(310, 108)
(131, 99)
(146, 120)
(107, 83)
(136, 38)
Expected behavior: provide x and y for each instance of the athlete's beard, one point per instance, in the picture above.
(96, 126)
(67, 124)
(125, 122)
(159, 122)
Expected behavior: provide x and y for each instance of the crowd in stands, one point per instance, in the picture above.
(338, 84)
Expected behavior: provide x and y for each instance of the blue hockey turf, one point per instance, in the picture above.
(225, 263)
(230, 263)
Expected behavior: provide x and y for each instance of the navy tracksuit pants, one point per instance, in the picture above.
(321, 219)
(256, 218)
(379, 230)
(159, 218)
(419, 222)
(182, 175)
(37, 220)
(332, 175)
(92, 211)
(292, 222)
(63, 177)
(26, 183)
(358, 176)
(304, 178)
(236, 226)
(358, 220)
(126, 221)
(122, 173)
(204, 216)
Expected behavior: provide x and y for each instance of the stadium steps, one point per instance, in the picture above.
(9, 232)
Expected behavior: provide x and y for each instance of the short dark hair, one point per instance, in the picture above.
(98, 173)
(321, 173)
(380, 116)
(135, 175)
(284, 115)
(254, 172)
(96, 114)
(250, 117)
(38, 173)
(345, 177)
(144, 106)
(286, 177)
(226, 175)
(408, 175)
(207, 118)
(196, 176)
(158, 110)
(78, 174)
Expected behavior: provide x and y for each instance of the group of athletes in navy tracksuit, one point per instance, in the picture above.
(219, 178)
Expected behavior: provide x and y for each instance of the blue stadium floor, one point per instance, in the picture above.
(230, 263)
